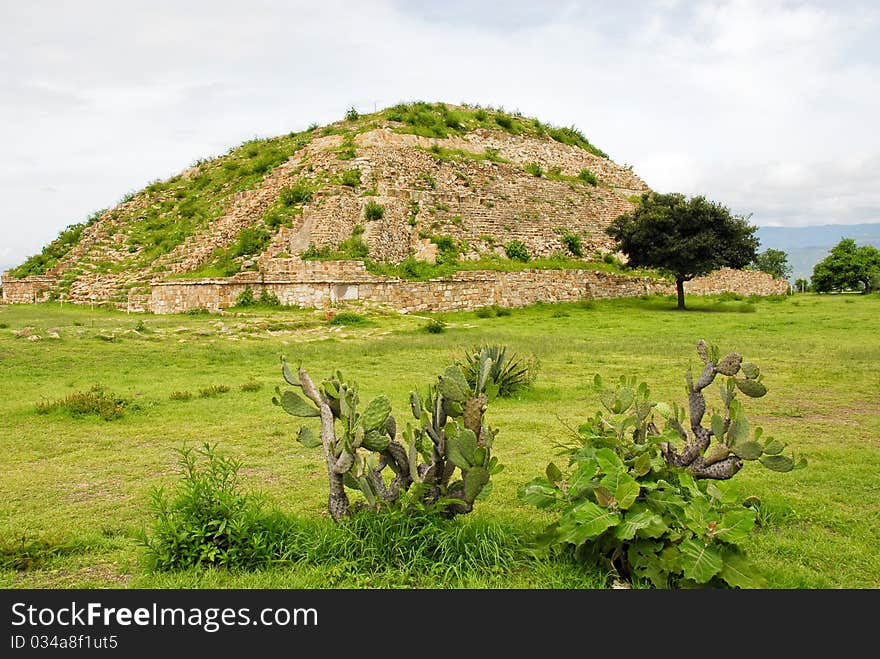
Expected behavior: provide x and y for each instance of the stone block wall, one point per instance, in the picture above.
(27, 289)
(743, 282)
(482, 202)
(480, 288)
(315, 284)
(321, 284)
(309, 270)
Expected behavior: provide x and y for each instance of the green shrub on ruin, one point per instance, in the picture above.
(351, 177)
(245, 298)
(572, 243)
(373, 211)
(534, 169)
(588, 177)
(504, 121)
(516, 250)
(573, 137)
(299, 192)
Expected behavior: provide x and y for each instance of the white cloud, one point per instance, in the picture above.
(763, 106)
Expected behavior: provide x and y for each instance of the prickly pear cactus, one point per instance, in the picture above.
(359, 443)
(451, 434)
(344, 430)
(719, 451)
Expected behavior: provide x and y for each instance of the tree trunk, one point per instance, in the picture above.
(679, 288)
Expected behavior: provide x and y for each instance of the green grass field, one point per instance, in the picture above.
(75, 491)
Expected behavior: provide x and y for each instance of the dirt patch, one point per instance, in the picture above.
(87, 491)
(102, 575)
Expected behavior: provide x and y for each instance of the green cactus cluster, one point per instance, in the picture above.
(451, 433)
(450, 437)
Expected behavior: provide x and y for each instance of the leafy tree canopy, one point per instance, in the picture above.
(773, 262)
(848, 266)
(685, 237)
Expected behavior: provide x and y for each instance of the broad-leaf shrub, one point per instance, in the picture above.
(625, 499)
(516, 250)
(208, 520)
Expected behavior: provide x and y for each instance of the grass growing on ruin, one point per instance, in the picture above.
(442, 120)
(161, 216)
(415, 270)
(74, 489)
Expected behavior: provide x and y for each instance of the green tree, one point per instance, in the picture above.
(773, 262)
(848, 266)
(685, 237)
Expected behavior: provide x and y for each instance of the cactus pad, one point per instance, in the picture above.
(751, 388)
(730, 364)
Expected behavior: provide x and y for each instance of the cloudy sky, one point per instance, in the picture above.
(770, 108)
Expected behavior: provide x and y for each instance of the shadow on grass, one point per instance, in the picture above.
(720, 304)
(743, 307)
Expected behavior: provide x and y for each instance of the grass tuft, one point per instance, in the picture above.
(213, 390)
(95, 402)
(347, 318)
(32, 554)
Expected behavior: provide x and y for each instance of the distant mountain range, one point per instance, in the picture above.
(806, 246)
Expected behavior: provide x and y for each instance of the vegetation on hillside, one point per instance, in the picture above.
(443, 120)
(152, 222)
(416, 270)
(55, 251)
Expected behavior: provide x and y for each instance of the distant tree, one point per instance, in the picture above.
(773, 262)
(685, 237)
(802, 285)
(848, 266)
